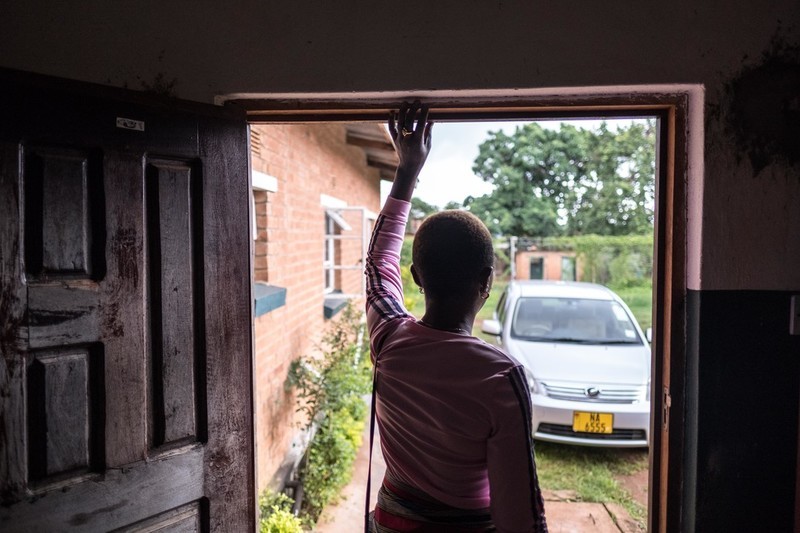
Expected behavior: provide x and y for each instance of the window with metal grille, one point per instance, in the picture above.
(347, 232)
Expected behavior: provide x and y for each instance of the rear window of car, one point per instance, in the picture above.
(575, 320)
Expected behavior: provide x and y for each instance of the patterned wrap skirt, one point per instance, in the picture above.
(401, 508)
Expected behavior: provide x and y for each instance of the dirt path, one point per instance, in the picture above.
(636, 485)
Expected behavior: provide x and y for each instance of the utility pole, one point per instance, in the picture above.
(512, 254)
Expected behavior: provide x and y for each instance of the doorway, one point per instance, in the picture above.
(536, 268)
(671, 429)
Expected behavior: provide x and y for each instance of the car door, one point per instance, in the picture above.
(125, 388)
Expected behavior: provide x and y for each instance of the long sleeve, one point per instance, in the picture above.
(516, 500)
(384, 283)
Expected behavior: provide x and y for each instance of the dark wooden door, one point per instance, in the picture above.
(125, 324)
(536, 268)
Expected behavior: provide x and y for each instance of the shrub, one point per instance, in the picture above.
(280, 521)
(412, 298)
(330, 459)
(331, 388)
(629, 270)
(276, 515)
(617, 261)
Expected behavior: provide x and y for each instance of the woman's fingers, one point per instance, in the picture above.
(423, 120)
(402, 115)
(411, 119)
(392, 126)
(426, 136)
(411, 115)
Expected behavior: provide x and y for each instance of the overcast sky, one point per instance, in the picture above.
(447, 174)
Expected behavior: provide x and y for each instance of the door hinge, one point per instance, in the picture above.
(666, 403)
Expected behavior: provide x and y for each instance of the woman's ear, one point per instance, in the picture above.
(415, 275)
(486, 279)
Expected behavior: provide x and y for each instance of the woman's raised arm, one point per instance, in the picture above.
(413, 143)
(384, 282)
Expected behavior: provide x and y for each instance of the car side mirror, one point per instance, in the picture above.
(491, 327)
(648, 334)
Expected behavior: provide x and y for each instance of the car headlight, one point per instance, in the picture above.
(532, 384)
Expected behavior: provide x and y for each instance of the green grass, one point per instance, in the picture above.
(640, 300)
(488, 310)
(590, 473)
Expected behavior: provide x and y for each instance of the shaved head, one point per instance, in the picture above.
(451, 249)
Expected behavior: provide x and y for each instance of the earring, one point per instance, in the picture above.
(421, 290)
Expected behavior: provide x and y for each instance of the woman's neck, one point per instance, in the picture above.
(448, 317)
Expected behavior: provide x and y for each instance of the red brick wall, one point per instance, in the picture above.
(307, 160)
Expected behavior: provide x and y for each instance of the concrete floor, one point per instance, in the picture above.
(564, 515)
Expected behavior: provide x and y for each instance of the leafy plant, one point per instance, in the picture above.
(269, 499)
(330, 458)
(325, 382)
(330, 387)
(412, 298)
(280, 521)
(276, 514)
(618, 261)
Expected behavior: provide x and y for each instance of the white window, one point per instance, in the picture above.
(343, 267)
(335, 225)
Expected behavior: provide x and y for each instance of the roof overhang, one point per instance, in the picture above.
(374, 141)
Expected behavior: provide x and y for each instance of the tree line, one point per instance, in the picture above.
(565, 182)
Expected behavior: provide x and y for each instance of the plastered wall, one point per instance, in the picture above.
(199, 50)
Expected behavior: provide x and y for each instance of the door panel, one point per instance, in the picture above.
(124, 313)
(122, 325)
(59, 225)
(176, 304)
(64, 413)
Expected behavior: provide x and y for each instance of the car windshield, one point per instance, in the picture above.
(573, 320)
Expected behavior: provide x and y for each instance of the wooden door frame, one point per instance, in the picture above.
(679, 109)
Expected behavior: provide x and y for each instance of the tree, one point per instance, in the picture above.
(419, 210)
(567, 181)
(618, 193)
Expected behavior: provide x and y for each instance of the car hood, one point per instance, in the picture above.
(585, 363)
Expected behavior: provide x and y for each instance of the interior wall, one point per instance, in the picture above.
(744, 54)
(199, 50)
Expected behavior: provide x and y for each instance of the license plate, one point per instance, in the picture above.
(592, 422)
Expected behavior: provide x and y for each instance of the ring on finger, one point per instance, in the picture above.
(406, 132)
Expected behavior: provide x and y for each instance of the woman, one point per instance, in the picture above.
(453, 412)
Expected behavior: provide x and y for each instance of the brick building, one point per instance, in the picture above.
(316, 192)
(551, 265)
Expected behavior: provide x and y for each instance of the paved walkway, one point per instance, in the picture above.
(564, 514)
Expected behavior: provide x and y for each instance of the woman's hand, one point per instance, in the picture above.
(412, 143)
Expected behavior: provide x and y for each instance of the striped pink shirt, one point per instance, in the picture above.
(453, 412)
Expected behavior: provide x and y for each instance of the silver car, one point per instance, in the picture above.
(586, 359)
